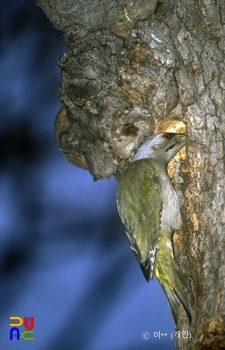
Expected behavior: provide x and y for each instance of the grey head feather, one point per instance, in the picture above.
(161, 147)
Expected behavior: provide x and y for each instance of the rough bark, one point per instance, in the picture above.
(138, 67)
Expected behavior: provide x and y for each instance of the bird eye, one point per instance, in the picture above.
(167, 135)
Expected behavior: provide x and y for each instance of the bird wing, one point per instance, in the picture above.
(139, 206)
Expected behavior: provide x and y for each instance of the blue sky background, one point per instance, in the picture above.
(64, 256)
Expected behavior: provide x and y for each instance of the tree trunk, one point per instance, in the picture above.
(135, 68)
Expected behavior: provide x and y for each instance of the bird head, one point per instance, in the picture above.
(161, 147)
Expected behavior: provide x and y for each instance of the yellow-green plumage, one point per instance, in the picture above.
(149, 209)
(140, 212)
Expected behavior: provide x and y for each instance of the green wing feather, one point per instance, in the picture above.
(139, 206)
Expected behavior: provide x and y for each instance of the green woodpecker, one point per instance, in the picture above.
(148, 207)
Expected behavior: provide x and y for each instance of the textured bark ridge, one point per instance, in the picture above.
(138, 67)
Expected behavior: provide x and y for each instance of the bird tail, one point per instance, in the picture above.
(174, 285)
(175, 298)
